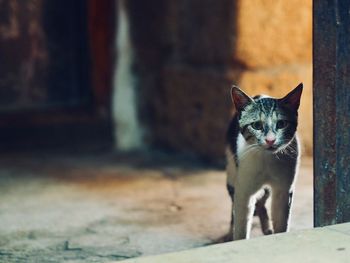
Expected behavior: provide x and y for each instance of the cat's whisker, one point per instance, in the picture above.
(290, 151)
(292, 147)
(249, 149)
(252, 151)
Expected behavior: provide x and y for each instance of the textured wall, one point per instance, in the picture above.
(196, 49)
(273, 32)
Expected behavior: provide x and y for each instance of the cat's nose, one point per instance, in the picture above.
(270, 142)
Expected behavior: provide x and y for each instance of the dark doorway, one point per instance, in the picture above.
(44, 51)
(48, 91)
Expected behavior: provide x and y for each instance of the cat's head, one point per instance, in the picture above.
(268, 122)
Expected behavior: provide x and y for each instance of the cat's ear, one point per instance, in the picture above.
(292, 99)
(239, 98)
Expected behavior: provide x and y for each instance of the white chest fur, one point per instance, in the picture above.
(258, 167)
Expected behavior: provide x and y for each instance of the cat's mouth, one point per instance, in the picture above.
(271, 148)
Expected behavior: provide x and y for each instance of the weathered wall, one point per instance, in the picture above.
(190, 52)
(195, 107)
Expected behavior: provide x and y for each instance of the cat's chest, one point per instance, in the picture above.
(256, 162)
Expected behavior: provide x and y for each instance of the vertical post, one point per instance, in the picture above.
(331, 86)
(128, 134)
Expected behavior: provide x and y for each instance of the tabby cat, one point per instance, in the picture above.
(262, 159)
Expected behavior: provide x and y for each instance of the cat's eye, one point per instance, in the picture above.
(281, 124)
(257, 125)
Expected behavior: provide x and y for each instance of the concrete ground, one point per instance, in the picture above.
(321, 245)
(103, 207)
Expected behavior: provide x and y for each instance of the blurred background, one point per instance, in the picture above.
(59, 63)
(83, 81)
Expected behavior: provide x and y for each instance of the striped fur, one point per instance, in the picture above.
(262, 159)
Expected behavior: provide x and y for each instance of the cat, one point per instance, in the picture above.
(263, 155)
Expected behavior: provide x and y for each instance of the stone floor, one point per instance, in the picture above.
(321, 245)
(104, 207)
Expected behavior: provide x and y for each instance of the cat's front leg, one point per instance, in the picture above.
(281, 206)
(243, 210)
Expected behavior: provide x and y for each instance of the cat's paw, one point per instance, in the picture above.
(268, 232)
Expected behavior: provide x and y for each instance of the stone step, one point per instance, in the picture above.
(326, 244)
